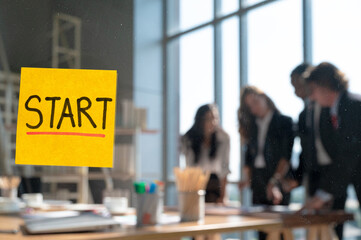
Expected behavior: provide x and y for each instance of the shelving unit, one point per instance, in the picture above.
(66, 53)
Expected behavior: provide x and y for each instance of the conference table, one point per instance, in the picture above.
(320, 227)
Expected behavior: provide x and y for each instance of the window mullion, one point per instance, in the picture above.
(217, 43)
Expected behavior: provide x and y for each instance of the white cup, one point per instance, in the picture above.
(32, 199)
(116, 204)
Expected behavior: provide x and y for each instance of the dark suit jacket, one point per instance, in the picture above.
(308, 163)
(343, 145)
(305, 132)
(278, 144)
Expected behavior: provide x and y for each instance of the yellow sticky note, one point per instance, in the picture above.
(66, 117)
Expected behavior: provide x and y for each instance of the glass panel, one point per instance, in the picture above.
(227, 7)
(230, 89)
(275, 48)
(196, 74)
(185, 14)
(172, 104)
(337, 39)
(190, 77)
(248, 3)
(195, 12)
(172, 195)
(233, 192)
(148, 85)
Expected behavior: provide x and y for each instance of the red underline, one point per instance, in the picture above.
(67, 134)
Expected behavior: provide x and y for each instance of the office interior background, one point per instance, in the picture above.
(174, 55)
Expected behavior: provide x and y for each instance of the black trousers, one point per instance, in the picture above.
(338, 201)
(260, 179)
(213, 189)
(339, 204)
(313, 181)
(356, 181)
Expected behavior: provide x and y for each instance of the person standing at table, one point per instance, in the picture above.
(269, 141)
(207, 146)
(329, 88)
(305, 131)
(313, 155)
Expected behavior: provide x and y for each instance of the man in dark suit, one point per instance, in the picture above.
(304, 130)
(309, 129)
(341, 136)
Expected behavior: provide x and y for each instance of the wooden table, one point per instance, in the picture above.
(211, 225)
(320, 226)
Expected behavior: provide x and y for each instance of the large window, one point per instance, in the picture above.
(230, 96)
(230, 88)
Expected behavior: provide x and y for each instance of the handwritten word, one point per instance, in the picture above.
(82, 106)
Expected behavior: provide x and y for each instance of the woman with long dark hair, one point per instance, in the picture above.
(207, 146)
(268, 137)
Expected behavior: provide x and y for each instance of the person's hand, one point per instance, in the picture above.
(274, 193)
(320, 200)
(289, 184)
(243, 184)
(277, 195)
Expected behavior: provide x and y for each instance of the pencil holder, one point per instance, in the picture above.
(149, 208)
(191, 205)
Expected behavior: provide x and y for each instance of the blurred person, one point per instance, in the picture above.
(342, 141)
(303, 129)
(30, 185)
(313, 155)
(269, 141)
(207, 146)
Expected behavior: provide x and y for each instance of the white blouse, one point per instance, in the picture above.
(262, 125)
(219, 165)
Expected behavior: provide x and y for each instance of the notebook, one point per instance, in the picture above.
(83, 222)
